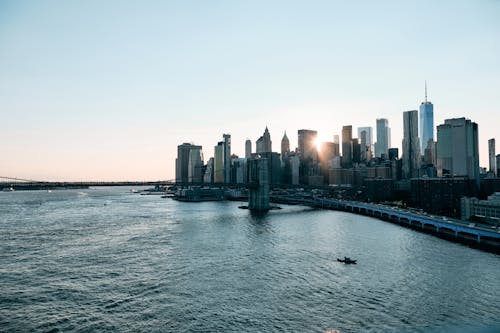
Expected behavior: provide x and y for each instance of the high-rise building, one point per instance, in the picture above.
(285, 147)
(426, 122)
(336, 145)
(411, 145)
(491, 153)
(366, 141)
(264, 144)
(458, 149)
(347, 146)
(307, 144)
(498, 165)
(219, 162)
(383, 137)
(356, 151)
(182, 162)
(248, 148)
(195, 165)
(227, 157)
(430, 153)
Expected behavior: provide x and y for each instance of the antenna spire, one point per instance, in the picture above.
(425, 91)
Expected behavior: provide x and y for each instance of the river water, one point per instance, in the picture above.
(106, 259)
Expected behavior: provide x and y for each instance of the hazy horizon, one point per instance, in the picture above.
(107, 90)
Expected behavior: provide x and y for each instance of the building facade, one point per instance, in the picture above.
(347, 146)
(426, 122)
(383, 137)
(285, 147)
(458, 149)
(264, 144)
(491, 156)
(248, 148)
(307, 144)
(411, 145)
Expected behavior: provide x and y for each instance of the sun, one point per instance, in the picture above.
(317, 143)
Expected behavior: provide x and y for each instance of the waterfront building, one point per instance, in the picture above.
(383, 137)
(307, 144)
(458, 149)
(227, 157)
(426, 122)
(411, 145)
(294, 168)
(264, 144)
(195, 165)
(491, 155)
(239, 170)
(365, 135)
(248, 148)
(440, 196)
(485, 210)
(188, 163)
(347, 146)
(285, 147)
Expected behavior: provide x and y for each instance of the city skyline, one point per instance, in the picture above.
(102, 91)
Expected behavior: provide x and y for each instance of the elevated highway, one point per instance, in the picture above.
(487, 238)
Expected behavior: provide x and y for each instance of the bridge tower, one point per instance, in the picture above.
(258, 187)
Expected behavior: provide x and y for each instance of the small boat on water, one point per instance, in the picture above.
(346, 260)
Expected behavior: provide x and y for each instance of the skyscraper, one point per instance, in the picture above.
(219, 162)
(248, 148)
(182, 162)
(491, 153)
(195, 165)
(347, 146)
(411, 145)
(426, 122)
(366, 141)
(227, 158)
(264, 144)
(383, 137)
(458, 148)
(285, 147)
(307, 144)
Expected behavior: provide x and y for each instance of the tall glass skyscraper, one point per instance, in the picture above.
(383, 137)
(426, 122)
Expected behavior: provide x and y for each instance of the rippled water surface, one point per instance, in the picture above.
(108, 260)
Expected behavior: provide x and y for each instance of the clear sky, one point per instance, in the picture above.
(106, 90)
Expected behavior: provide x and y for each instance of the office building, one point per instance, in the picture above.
(219, 162)
(307, 144)
(227, 157)
(347, 146)
(285, 147)
(383, 137)
(264, 144)
(188, 163)
(248, 148)
(458, 149)
(426, 122)
(365, 136)
(491, 155)
(411, 145)
(195, 165)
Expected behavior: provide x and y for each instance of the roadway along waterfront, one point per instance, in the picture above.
(487, 238)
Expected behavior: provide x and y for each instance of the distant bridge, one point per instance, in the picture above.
(13, 183)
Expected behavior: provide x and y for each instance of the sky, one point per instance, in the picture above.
(106, 90)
